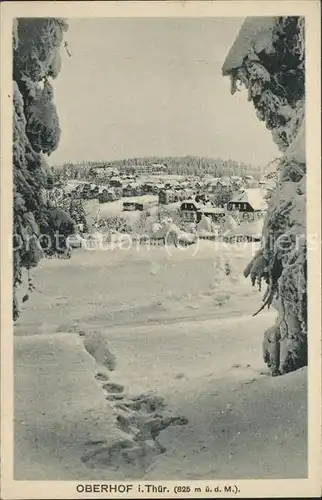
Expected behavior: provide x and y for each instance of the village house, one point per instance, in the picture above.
(93, 192)
(127, 191)
(152, 169)
(118, 192)
(108, 194)
(218, 183)
(214, 213)
(85, 191)
(236, 182)
(249, 181)
(211, 184)
(190, 211)
(129, 206)
(116, 182)
(132, 189)
(166, 196)
(156, 188)
(193, 211)
(103, 195)
(250, 201)
(147, 187)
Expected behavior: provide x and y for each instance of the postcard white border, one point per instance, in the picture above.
(248, 488)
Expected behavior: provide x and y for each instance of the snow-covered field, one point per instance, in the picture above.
(96, 210)
(185, 343)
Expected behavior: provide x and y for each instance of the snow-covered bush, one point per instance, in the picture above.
(116, 223)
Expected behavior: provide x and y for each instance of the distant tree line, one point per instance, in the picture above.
(186, 165)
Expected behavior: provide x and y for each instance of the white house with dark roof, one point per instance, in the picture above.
(249, 200)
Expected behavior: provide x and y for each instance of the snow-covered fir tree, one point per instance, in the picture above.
(36, 133)
(268, 58)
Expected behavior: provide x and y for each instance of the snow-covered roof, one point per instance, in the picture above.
(129, 202)
(133, 185)
(252, 196)
(193, 202)
(213, 182)
(167, 190)
(224, 181)
(255, 33)
(213, 210)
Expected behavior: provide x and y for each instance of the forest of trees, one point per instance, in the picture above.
(36, 134)
(185, 165)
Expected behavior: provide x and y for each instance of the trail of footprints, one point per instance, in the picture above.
(139, 421)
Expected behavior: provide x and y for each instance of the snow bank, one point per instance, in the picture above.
(229, 223)
(251, 229)
(256, 422)
(58, 407)
(204, 225)
(242, 429)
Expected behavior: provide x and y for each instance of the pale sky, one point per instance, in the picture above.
(141, 87)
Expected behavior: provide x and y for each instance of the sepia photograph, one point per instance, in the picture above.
(159, 220)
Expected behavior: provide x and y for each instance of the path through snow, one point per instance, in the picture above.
(238, 423)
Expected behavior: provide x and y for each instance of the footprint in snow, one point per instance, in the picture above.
(113, 388)
(139, 421)
(102, 377)
(115, 397)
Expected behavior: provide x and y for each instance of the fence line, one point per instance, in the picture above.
(163, 241)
